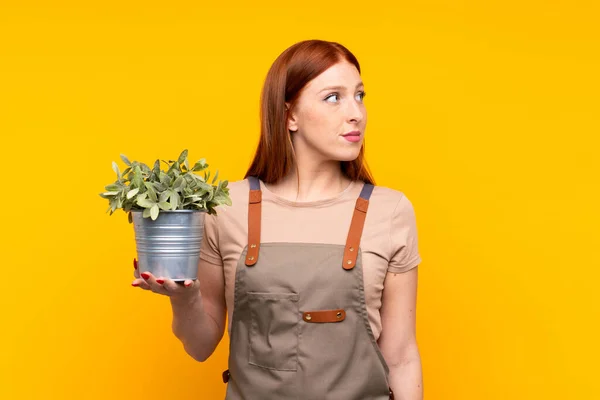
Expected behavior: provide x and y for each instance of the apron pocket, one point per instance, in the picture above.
(274, 323)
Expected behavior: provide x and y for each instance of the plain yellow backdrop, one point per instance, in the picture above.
(484, 113)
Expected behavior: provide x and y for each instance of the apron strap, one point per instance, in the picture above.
(354, 234)
(254, 217)
(356, 227)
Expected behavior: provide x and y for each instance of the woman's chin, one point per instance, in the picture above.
(347, 154)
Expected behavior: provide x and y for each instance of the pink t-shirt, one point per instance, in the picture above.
(388, 243)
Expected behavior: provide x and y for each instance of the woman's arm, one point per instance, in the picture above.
(397, 341)
(199, 319)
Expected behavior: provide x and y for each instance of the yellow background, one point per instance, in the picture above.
(485, 113)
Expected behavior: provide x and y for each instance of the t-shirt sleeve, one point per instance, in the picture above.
(403, 238)
(209, 246)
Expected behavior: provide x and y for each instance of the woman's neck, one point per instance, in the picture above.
(312, 183)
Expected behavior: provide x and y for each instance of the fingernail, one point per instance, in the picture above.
(134, 284)
(145, 275)
(188, 284)
(134, 263)
(160, 281)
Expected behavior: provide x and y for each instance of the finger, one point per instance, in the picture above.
(141, 284)
(148, 277)
(189, 283)
(151, 281)
(160, 285)
(170, 286)
(136, 271)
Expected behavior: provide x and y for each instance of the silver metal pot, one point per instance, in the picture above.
(170, 245)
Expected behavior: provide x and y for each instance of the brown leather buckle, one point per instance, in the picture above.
(362, 205)
(337, 315)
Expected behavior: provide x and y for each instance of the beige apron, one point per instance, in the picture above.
(300, 328)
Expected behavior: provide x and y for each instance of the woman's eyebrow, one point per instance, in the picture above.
(359, 84)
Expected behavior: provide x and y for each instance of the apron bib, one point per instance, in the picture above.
(300, 328)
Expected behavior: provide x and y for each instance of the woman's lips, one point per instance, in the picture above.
(352, 138)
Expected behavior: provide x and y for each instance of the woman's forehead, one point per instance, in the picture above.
(338, 76)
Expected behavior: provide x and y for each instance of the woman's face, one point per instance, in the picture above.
(330, 117)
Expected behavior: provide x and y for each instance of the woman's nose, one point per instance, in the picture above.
(355, 111)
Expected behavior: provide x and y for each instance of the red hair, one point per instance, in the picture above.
(291, 71)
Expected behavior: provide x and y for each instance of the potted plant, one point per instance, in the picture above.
(167, 209)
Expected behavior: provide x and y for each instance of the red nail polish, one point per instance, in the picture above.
(134, 263)
(135, 284)
(145, 275)
(160, 281)
(188, 284)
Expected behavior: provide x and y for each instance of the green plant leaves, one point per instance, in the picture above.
(200, 165)
(145, 203)
(154, 212)
(115, 168)
(156, 170)
(145, 168)
(182, 156)
(153, 190)
(164, 196)
(178, 183)
(125, 160)
(174, 200)
(138, 179)
(132, 193)
(164, 205)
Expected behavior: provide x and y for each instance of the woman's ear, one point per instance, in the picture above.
(291, 122)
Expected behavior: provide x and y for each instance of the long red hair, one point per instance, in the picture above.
(290, 72)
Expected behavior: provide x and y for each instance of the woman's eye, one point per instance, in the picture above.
(336, 95)
(330, 96)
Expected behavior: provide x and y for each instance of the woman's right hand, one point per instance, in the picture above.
(165, 286)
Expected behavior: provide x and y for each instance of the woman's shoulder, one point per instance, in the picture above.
(384, 193)
(238, 189)
(388, 199)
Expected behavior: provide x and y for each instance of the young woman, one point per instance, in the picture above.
(313, 266)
